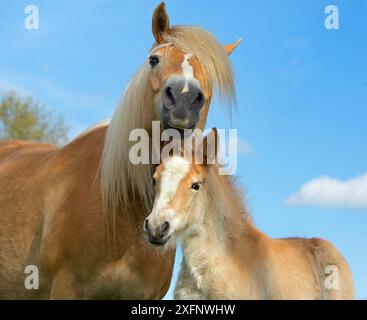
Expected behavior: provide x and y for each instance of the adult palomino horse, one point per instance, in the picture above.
(224, 255)
(53, 201)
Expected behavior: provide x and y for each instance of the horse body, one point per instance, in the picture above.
(224, 255)
(52, 205)
(76, 212)
(18, 162)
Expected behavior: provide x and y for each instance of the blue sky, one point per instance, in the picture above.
(302, 96)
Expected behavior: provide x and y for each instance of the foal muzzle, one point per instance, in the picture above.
(157, 235)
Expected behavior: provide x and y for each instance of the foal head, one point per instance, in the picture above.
(180, 81)
(180, 185)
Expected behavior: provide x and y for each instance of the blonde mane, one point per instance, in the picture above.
(122, 182)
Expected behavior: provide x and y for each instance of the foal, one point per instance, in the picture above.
(224, 255)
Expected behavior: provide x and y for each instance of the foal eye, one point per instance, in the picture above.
(195, 186)
(153, 60)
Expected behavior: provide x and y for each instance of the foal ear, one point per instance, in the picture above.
(210, 147)
(160, 23)
(230, 47)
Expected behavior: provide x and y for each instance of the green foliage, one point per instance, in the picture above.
(25, 119)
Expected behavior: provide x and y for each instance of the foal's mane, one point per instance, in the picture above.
(122, 182)
(225, 203)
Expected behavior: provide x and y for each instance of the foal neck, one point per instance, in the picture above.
(224, 222)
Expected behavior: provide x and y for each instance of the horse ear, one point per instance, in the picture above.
(210, 147)
(230, 47)
(160, 23)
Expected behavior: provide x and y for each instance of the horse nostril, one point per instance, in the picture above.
(199, 100)
(165, 227)
(169, 95)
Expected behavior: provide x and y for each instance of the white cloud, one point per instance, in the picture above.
(333, 193)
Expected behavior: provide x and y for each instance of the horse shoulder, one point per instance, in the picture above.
(21, 170)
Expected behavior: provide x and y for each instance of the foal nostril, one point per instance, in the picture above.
(165, 227)
(170, 96)
(146, 225)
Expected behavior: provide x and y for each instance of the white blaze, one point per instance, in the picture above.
(175, 169)
(188, 73)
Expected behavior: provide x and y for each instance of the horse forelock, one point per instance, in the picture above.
(212, 58)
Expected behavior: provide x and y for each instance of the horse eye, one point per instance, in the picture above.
(195, 186)
(153, 60)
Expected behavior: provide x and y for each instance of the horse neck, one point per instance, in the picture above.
(225, 221)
